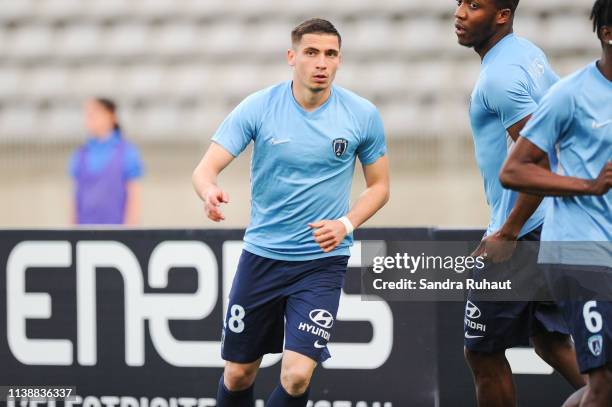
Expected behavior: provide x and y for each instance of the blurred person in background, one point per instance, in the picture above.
(106, 170)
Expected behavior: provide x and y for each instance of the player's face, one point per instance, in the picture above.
(315, 61)
(98, 120)
(475, 21)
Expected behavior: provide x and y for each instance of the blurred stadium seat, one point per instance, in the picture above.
(79, 41)
(163, 60)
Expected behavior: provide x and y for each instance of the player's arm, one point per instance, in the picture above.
(525, 204)
(132, 172)
(329, 233)
(376, 194)
(132, 203)
(523, 171)
(204, 180)
(500, 245)
(509, 97)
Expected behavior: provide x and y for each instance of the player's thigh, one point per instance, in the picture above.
(591, 328)
(600, 379)
(252, 331)
(254, 322)
(494, 326)
(312, 307)
(587, 311)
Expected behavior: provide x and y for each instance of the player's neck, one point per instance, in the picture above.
(492, 41)
(605, 63)
(308, 99)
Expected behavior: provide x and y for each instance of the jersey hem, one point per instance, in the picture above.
(520, 116)
(262, 252)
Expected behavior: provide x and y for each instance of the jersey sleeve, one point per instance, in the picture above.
(551, 120)
(372, 146)
(133, 168)
(508, 96)
(240, 126)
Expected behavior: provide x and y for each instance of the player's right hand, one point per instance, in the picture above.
(602, 184)
(213, 198)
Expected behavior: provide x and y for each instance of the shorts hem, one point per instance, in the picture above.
(588, 367)
(320, 359)
(247, 359)
(492, 349)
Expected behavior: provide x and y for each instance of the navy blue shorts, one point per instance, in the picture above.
(493, 326)
(587, 309)
(275, 299)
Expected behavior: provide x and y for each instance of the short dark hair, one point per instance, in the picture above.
(601, 15)
(511, 4)
(314, 26)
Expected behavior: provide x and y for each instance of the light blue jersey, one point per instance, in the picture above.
(302, 166)
(514, 76)
(575, 120)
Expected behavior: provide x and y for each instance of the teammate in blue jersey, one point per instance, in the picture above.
(574, 121)
(514, 76)
(307, 134)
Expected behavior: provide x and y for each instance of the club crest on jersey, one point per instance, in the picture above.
(339, 145)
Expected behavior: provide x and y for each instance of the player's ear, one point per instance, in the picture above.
(606, 35)
(504, 16)
(291, 57)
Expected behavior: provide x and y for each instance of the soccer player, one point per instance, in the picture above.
(575, 121)
(306, 134)
(514, 75)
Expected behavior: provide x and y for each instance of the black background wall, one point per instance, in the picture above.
(425, 366)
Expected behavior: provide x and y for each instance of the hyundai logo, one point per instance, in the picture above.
(322, 318)
(472, 311)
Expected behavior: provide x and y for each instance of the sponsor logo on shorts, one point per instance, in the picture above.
(472, 311)
(315, 330)
(475, 325)
(322, 318)
(318, 345)
(596, 344)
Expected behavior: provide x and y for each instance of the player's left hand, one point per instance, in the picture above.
(497, 247)
(328, 233)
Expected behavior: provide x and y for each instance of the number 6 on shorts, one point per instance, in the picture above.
(592, 318)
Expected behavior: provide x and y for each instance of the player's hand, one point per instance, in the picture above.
(602, 184)
(213, 198)
(328, 233)
(497, 247)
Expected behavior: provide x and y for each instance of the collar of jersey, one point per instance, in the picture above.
(495, 50)
(109, 140)
(303, 111)
(599, 75)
